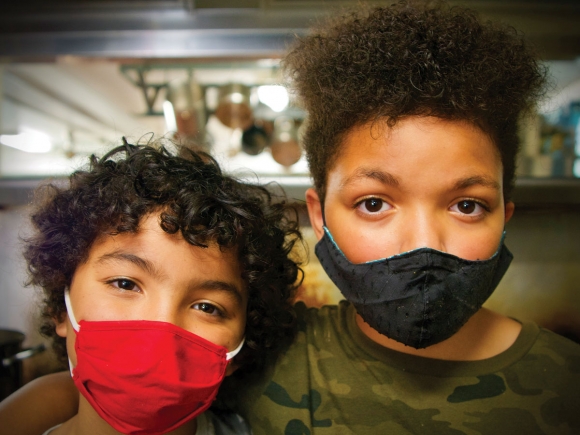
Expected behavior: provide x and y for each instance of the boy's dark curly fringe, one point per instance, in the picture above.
(412, 59)
(193, 197)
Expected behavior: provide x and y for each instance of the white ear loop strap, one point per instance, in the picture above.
(72, 319)
(234, 352)
(69, 310)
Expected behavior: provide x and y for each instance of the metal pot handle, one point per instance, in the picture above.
(24, 354)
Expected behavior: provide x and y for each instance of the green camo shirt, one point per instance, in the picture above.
(335, 380)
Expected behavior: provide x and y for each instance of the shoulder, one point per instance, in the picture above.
(549, 375)
(27, 411)
(557, 341)
(557, 351)
(539, 352)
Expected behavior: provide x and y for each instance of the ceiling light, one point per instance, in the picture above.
(169, 115)
(274, 96)
(30, 141)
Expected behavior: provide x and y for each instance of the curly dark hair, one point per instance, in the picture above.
(412, 59)
(194, 198)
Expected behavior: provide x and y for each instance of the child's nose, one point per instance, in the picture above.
(164, 311)
(422, 230)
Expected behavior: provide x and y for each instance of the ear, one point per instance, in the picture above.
(315, 212)
(61, 325)
(509, 210)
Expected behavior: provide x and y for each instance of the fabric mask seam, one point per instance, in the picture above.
(424, 292)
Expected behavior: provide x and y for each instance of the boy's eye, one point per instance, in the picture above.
(468, 207)
(207, 308)
(125, 284)
(373, 205)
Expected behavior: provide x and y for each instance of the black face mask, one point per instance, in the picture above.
(418, 298)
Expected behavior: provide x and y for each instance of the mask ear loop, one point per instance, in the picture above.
(234, 352)
(73, 321)
(71, 315)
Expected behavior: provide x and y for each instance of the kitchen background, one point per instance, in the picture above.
(76, 76)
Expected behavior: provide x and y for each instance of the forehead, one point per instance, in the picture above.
(157, 251)
(418, 144)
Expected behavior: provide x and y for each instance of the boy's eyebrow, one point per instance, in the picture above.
(146, 265)
(375, 174)
(136, 260)
(223, 286)
(480, 180)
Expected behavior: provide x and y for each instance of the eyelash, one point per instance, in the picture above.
(485, 207)
(358, 204)
(218, 312)
(117, 280)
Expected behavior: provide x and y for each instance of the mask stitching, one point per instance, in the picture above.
(424, 292)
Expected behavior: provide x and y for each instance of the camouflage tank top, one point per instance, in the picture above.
(334, 380)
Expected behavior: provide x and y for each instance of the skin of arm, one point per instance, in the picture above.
(39, 405)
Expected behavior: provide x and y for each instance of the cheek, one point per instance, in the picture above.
(228, 335)
(360, 247)
(362, 240)
(481, 247)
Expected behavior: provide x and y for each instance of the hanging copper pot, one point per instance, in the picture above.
(234, 108)
(188, 105)
(285, 147)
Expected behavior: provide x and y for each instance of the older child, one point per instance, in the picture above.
(411, 140)
(157, 271)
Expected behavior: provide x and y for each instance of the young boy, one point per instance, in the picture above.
(411, 141)
(157, 271)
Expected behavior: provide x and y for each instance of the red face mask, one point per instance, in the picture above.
(146, 377)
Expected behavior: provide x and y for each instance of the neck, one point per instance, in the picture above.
(88, 422)
(486, 334)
